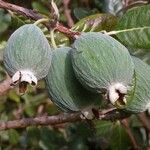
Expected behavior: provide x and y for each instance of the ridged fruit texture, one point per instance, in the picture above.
(100, 61)
(28, 49)
(63, 87)
(139, 100)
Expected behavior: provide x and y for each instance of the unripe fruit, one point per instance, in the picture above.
(139, 99)
(27, 56)
(102, 65)
(63, 88)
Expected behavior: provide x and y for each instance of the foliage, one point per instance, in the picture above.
(138, 25)
(78, 136)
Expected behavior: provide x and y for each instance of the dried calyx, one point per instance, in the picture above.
(23, 78)
(116, 94)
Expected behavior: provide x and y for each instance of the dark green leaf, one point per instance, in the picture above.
(13, 136)
(4, 135)
(78, 144)
(2, 46)
(2, 70)
(50, 137)
(40, 8)
(61, 39)
(103, 127)
(2, 73)
(32, 138)
(31, 102)
(135, 122)
(96, 23)
(140, 137)
(119, 139)
(80, 13)
(17, 21)
(112, 6)
(135, 27)
(5, 20)
(13, 96)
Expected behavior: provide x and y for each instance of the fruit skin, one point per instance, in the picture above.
(63, 88)
(100, 62)
(27, 52)
(139, 100)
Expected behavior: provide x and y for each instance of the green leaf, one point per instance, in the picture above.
(112, 6)
(80, 13)
(134, 27)
(5, 20)
(114, 133)
(13, 96)
(96, 23)
(78, 134)
(2, 70)
(32, 102)
(2, 73)
(17, 21)
(135, 122)
(103, 127)
(119, 138)
(40, 8)
(78, 144)
(32, 137)
(98, 4)
(61, 39)
(4, 135)
(13, 136)
(48, 138)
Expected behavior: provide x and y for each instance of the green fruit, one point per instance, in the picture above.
(63, 88)
(102, 64)
(27, 56)
(139, 99)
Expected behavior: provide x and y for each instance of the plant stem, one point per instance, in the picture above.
(31, 14)
(56, 119)
(41, 21)
(67, 13)
(125, 124)
(144, 120)
(53, 39)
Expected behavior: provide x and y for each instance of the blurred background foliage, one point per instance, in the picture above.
(107, 135)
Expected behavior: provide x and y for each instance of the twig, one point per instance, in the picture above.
(144, 120)
(20, 10)
(55, 120)
(67, 13)
(125, 124)
(65, 30)
(35, 16)
(44, 120)
(113, 114)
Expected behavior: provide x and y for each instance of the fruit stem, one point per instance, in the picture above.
(53, 39)
(41, 21)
